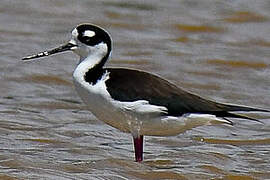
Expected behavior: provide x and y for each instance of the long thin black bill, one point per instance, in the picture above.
(65, 47)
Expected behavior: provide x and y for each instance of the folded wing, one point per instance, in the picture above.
(132, 85)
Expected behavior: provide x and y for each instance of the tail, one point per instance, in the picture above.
(232, 115)
(227, 110)
(232, 107)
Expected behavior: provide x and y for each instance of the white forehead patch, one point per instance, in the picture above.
(89, 33)
(75, 33)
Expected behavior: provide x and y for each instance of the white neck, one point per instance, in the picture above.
(89, 58)
(93, 53)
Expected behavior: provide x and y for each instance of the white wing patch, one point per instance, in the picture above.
(209, 119)
(89, 33)
(143, 107)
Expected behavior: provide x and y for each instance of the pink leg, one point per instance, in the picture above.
(138, 146)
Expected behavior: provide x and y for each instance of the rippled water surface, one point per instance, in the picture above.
(218, 49)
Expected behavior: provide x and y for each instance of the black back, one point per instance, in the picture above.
(131, 85)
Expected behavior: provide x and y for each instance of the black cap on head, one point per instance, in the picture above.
(92, 35)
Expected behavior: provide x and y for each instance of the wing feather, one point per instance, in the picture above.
(133, 85)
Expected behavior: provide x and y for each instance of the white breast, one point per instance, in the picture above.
(138, 117)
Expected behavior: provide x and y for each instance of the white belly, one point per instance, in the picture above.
(139, 117)
(126, 119)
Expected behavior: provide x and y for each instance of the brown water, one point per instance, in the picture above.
(218, 49)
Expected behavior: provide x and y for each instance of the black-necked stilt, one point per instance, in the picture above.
(135, 101)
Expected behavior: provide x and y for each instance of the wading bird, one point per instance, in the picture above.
(135, 101)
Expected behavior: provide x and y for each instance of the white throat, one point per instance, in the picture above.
(89, 58)
(93, 54)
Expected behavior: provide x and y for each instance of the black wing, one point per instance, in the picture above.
(131, 85)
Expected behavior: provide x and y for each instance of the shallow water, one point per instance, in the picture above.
(218, 49)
